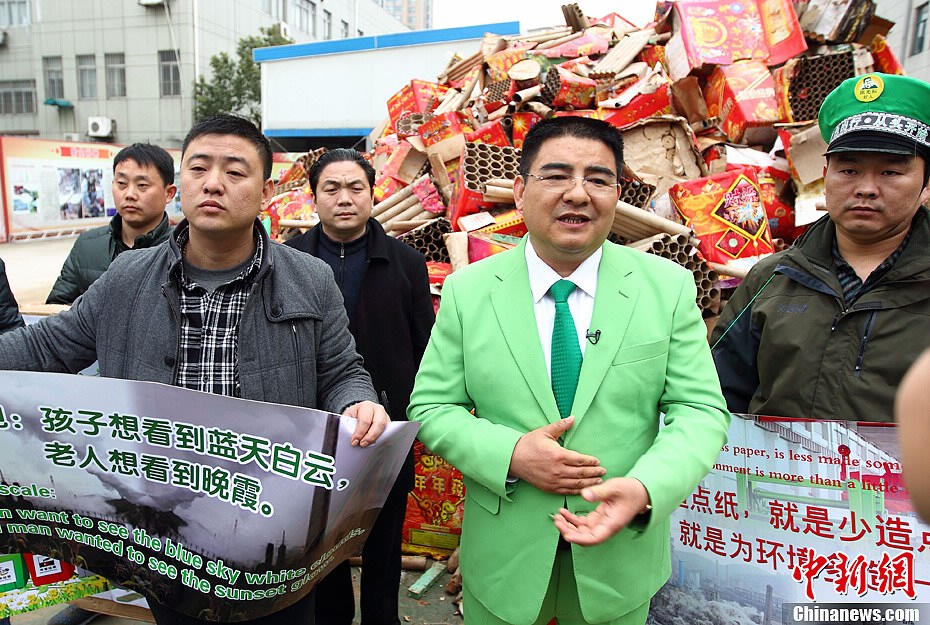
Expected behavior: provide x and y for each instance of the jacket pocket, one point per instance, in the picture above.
(643, 351)
(483, 497)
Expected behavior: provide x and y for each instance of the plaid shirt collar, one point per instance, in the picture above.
(208, 337)
(852, 284)
(181, 238)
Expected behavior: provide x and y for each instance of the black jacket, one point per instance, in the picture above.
(93, 252)
(10, 318)
(394, 314)
(792, 348)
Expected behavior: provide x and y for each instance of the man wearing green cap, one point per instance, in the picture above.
(828, 328)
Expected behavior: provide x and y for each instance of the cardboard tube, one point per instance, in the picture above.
(506, 183)
(398, 209)
(527, 94)
(543, 36)
(413, 212)
(557, 42)
(410, 224)
(493, 189)
(729, 270)
(398, 196)
(650, 220)
(295, 223)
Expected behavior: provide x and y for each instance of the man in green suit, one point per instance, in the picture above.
(569, 349)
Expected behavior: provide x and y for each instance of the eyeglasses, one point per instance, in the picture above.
(593, 185)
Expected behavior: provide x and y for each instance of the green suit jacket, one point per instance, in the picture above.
(652, 357)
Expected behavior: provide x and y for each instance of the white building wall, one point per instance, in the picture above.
(901, 36)
(307, 92)
(68, 28)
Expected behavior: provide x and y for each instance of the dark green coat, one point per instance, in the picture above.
(797, 351)
(93, 252)
(10, 319)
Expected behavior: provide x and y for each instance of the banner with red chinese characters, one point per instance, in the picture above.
(796, 511)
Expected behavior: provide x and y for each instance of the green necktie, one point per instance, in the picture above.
(566, 353)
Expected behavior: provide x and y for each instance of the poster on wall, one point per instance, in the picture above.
(59, 187)
(225, 508)
(796, 512)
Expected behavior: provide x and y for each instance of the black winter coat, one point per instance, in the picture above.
(394, 314)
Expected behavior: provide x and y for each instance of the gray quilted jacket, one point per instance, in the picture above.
(294, 345)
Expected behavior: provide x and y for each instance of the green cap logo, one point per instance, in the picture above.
(869, 88)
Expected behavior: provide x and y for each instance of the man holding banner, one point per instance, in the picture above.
(217, 308)
(827, 329)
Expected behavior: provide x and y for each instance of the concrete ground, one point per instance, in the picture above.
(32, 267)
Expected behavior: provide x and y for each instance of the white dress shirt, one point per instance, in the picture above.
(580, 302)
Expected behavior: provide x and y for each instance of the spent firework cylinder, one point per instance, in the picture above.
(398, 209)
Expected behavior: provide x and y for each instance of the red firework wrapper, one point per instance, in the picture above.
(780, 215)
(652, 55)
(491, 132)
(642, 106)
(386, 186)
(742, 96)
(403, 163)
(499, 62)
(885, 60)
(484, 244)
(726, 213)
(435, 506)
(442, 127)
(522, 122)
(574, 90)
(429, 197)
(720, 32)
(437, 271)
(413, 98)
(294, 204)
(582, 46)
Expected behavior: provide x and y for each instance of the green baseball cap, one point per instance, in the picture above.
(877, 113)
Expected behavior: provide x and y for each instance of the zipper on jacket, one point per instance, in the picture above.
(300, 382)
(342, 263)
(864, 341)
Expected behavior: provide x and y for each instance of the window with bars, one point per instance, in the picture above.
(169, 72)
(54, 77)
(312, 18)
(14, 12)
(302, 16)
(345, 29)
(17, 97)
(87, 76)
(327, 25)
(920, 28)
(116, 74)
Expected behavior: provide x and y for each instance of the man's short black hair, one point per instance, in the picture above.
(146, 154)
(236, 126)
(337, 156)
(579, 127)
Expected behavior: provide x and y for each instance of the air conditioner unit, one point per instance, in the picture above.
(100, 126)
(151, 3)
(72, 136)
(284, 29)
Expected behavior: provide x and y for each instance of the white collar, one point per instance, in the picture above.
(542, 276)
